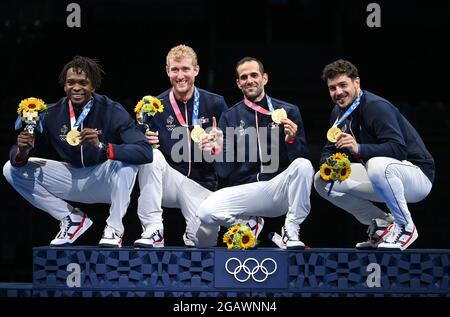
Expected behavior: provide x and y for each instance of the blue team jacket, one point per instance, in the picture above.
(210, 105)
(242, 117)
(381, 130)
(117, 130)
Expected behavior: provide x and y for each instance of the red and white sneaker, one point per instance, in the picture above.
(153, 238)
(110, 239)
(72, 227)
(376, 232)
(256, 224)
(291, 239)
(399, 237)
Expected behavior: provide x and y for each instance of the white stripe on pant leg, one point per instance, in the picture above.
(122, 178)
(191, 195)
(394, 180)
(354, 195)
(228, 206)
(32, 179)
(151, 193)
(300, 177)
(209, 208)
(206, 236)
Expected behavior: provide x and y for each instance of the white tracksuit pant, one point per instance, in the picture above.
(383, 179)
(46, 184)
(288, 192)
(162, 185)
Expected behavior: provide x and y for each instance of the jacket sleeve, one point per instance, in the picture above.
(298, 148)
(41, 148)
(134, 149)
(380, 120)
(14, 157)
(220, 108)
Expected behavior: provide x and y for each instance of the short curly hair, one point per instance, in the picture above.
(339, 67)
(89, 66)
(179, 52)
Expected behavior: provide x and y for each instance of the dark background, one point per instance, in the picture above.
(405, 61)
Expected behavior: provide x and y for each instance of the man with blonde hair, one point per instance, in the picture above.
(179, 176)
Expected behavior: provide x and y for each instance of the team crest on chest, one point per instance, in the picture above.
(241, 128)
(63, 132)
(169, 123)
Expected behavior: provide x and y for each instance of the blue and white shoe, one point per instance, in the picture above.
(72, 227)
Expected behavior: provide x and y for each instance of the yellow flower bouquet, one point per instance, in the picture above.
(31, 111)
(336, 168)
(148, 107)
(239, 238)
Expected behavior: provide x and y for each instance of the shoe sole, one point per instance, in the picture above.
(366, 248)
(296, 248)
(146, 246)
(106, 245)
(88, 223)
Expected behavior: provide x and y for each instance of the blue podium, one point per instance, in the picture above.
(217, 272)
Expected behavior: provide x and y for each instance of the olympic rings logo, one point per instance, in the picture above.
(250, 271)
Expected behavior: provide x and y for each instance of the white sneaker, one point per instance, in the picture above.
(110, 238)
(255, 223)
(290, 238)
(188, 241)
(376, 232)
(150, 239)
(399, 237)
(72, 227)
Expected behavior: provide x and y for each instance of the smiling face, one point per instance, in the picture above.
(78, 87)
(343, 90)
(182, 73)
(250, 80)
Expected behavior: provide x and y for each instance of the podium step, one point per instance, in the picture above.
(92, 271)
(16, 289)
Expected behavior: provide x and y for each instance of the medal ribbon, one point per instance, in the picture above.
(349, 110)
(74, 125)
(258, 108)
(177, 111)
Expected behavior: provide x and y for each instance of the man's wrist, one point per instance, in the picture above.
(103, 149)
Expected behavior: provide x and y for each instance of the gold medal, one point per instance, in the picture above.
(333, 133)
(197, 134)
(278, 115)
(73, 137)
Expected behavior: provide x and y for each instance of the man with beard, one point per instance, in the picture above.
(389, 161)
(99, 143)
(264, 158)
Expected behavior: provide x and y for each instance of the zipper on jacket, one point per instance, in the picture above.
(259, 146)
(81, 148)
(189, 139)
(351, 132)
